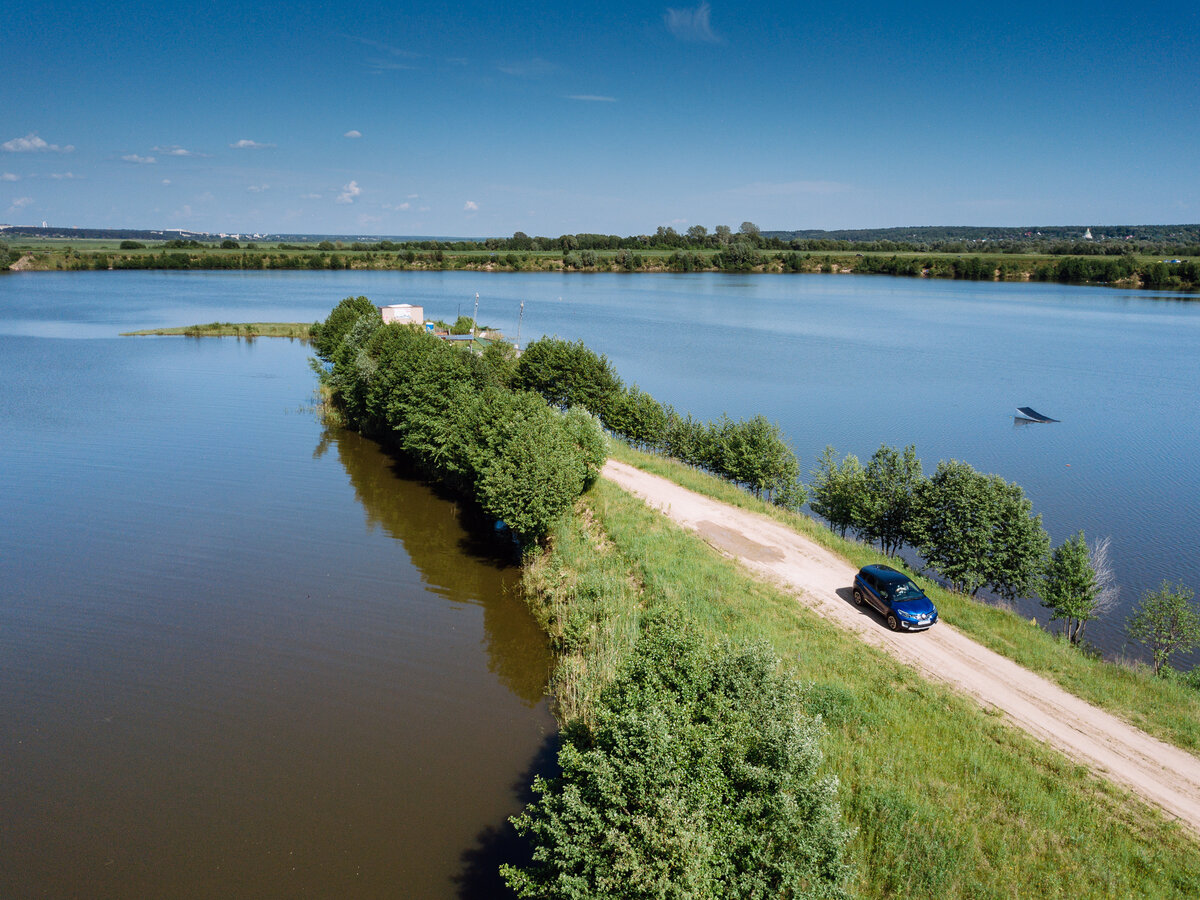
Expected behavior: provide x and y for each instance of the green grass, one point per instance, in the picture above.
(298, 330)
(947, 800)
(1166, 709)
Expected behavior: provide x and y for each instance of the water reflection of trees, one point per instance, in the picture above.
(455, 554)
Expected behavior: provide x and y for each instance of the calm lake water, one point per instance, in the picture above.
(241, 655)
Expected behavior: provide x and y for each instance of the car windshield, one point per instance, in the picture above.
(903, 590)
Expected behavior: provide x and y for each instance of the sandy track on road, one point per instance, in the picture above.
(1163, 775)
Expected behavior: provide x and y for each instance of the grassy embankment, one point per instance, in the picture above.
(947, 800)
(295, 330)
(1166, 709)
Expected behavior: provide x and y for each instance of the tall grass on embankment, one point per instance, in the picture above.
(1166, 709)
(947, 800)
(297, 330)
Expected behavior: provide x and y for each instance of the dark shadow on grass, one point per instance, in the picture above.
(498, 844)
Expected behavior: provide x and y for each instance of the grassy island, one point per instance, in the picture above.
(295, 330)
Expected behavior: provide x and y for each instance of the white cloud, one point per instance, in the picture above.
(20, 203)
(245, 144)
(310, 196)
(381, 65)
(386, 48)
(353, 133)
(138, 160)
(9, 176)
(529, 68)
(349, 192)
(413, 196)
(175, 150)
(184, 212)
(63, 176)
(592, 98)
(470, 206)
(258, 188)
(398, 206)
(166, 181)
(31, 143)
(692, 25)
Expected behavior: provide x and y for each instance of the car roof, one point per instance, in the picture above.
(886, 573)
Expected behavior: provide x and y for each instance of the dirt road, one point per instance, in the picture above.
(1158, 772)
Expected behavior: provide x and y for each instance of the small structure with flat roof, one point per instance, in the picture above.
(403, 314)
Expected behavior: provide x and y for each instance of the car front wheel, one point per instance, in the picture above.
(893, 623)
(858, 597)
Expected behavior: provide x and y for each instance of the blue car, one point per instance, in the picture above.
(893, 594)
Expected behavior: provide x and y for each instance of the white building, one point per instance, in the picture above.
(403, 313)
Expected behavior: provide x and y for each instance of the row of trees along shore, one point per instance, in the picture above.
(979, 531)
(1114, 263)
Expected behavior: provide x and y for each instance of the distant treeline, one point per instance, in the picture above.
(1125, 269)
(924, 238)
(1122, 262)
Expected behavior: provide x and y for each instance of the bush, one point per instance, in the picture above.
(699, 778)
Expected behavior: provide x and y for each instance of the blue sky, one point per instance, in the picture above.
(482, 119)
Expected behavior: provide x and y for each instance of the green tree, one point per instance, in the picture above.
(499, 359)
(1070, 589)
(838, 490)
(1167, 622)
(883, 511)
(978, 531)
(754, 452)
(327, 335)
(567, 374)
(739, 257)
(685, 438)
(638, 417)
(534, 476)
(699, 776)
(588, 435)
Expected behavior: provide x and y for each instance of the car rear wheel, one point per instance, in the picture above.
(893, 623)
(858, 597)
